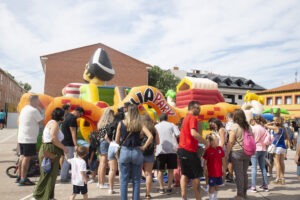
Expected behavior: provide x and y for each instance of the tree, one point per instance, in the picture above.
(164, 80)
(26, 86)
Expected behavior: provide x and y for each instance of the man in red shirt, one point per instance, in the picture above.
(187, 151)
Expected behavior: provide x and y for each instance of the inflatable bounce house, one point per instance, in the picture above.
(94, 97)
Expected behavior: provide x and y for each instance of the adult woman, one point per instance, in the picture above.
(52, 137)
(149, 155)
(103, 127)
(131, 156)
(280, 135)
(220, 133)
(240, 160)
(259, 133)
(113, 163)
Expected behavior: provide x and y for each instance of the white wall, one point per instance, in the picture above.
(12, 120)
(236, 92)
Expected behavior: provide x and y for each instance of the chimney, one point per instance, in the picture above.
(175, 68)
(195, 71)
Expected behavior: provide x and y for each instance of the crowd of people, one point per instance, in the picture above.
(137, 148)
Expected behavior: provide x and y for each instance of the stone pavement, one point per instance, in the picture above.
(11, 191)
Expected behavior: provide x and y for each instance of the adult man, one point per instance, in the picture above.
(2, 119)
(187, 151)
(165, 151)
(29, 120)
(229, 119)
(69, 129)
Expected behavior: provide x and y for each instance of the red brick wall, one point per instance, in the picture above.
(10, 91)
(68, 67)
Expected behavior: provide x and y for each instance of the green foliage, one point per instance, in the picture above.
(26, 86)
(164, 80)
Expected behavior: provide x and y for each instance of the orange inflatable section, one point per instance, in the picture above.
(45, 100)
(92, 112)
(138, 95)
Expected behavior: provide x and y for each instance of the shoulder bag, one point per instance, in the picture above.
(117, 154)
(272, 147)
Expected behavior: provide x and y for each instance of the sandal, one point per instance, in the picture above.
(148, 196)
(282, 181)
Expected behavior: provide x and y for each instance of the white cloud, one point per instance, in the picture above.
(242, 38)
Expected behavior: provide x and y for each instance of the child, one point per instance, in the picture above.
(92, 158)
(79, 177)
(214, 156)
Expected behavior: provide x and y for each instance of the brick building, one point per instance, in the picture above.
(10, 90)
(68, 66)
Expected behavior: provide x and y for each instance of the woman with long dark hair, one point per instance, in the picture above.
(112, 160)
(52, 137)
(149, 154)
(239, 159)
(131, 153)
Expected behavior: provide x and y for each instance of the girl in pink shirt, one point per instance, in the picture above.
(259, 133)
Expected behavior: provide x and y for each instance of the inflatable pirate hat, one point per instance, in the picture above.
(100, 66)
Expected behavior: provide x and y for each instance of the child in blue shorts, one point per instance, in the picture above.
(214, 157)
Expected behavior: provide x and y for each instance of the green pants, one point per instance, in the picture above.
(45, 187)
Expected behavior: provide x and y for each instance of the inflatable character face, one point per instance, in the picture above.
(98, 69)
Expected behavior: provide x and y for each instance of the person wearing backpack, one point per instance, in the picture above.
(240, 138)
(280, 135)
(260, 135)
(149, 152)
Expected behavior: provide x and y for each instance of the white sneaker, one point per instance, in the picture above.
(91, 181)
(205, 188)
(111, 192)
(222, 185)
(105, 186)
(269, 175)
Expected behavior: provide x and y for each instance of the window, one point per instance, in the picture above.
(278, 101)
(240, 96)
(0, 95)
(288, 100)
(297, 99)
(269, 101)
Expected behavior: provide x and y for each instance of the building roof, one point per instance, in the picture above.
(229, 81)
(12, 79)
(285, 88)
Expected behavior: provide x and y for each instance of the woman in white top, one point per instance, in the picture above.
(52, 137)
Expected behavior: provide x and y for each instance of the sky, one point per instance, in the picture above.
(255, 39)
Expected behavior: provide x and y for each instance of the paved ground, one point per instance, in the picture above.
(10, 191)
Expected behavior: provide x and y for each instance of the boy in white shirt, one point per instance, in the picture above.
(79, 177)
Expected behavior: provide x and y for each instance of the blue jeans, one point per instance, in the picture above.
(260, 157)
(66, 166)
(130, 163)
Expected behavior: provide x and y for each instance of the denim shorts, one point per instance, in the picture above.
(103, 147)
(212, 181)
(112, 149)
(93, 165)
(149, 158)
